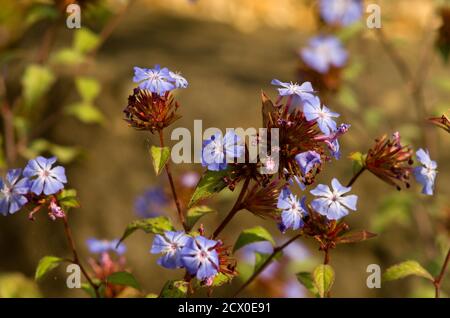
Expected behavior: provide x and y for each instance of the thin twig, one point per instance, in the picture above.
(355, 177)
(76, 259)
(266, 263)
(236, 208)
(438, 280)
(181, 215)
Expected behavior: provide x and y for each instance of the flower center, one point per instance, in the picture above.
(45, 173)
(203, 255)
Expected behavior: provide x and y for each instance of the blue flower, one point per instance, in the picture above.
(324, 52)
(200, 258)
(12, 192)
(314, 111)
(217, 150)
(307, 160)
(156, 80)
(179, 81)
(96, 246)
(293, 210)
(43, 177)
(151, 203)
(333, 204)
(425, 174)
(305, 91)
(342, 12)
(170, 245)
(292, 289)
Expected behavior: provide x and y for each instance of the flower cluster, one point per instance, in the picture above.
(108, 259)
(152, 107)
(202, 258)
(37, 185)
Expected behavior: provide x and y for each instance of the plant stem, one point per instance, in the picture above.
(181, 215)
(236, 208)
(266, 263)
(326, 259)
(438, 280)
(76, 259)
(355, 177)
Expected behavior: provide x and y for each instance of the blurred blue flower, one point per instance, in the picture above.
(170, 245)
(333, 204)
(12, 192)
(156, 80)
(313, 110)
(324, 52)
(307, 160)
(293, 210)
(43, 177)
(305, 91)
(218, 149)
(425, 174)
(200, 258)
(296, 251)
(341, 12)
(293, 289)
(96, 246)
(151, 203)
(179, 81)
(189, 179)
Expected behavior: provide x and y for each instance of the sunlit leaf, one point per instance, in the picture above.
(405, 269)
(359, 161)
(36, 82)
(210, 183)
(195, 213)
(123, 278)
(160, 155)
(46, 264)
(16, 285)
(323, 276)
(88, 88)
(85, 112)
(157, 225)
(307, 280)
(67, 56)
(174, 289)
(85, 40)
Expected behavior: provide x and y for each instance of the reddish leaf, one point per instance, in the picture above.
(354, 237)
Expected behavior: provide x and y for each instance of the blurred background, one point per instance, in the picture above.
(66, 89)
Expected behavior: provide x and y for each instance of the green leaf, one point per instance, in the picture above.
(405, 269)
(174, 289)
(85, 40)
(85, 112)
(36, 82)
(41, 12)
(67, 56)
(359, 161)
(160, 155)
(88, 88)
(260, 259)
(323, 276)
(211, 183)
(306, 279)
(151, 295)
(17, 285)
(46, 264)
(157, 225)
(195, 213)
(252, 235)
(67, 198)
(123, 278)
(221, 279)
